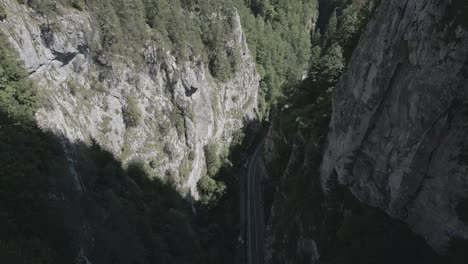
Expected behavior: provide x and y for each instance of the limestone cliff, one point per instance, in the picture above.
(181, 106)
(398, 132)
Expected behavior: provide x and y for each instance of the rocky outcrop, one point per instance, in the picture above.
(180, 106)
(398, 133)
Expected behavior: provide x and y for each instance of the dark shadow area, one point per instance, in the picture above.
(121, 216)
(65, 202)
(345, 230)
(326, 8)
(220, 218)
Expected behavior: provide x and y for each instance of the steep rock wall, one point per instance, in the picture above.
(398, 131)
(182, 106)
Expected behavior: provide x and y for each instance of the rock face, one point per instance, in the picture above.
(181, 107)
(398, 133)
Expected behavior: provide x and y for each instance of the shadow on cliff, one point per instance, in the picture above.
(344, 229)
(54, 209)
(220, 219)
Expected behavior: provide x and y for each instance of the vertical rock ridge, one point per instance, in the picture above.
(395, 147)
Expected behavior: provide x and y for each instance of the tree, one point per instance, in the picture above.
(210, 190)
(18, 95)
(107, 23)
(332, 27)
(329, 68)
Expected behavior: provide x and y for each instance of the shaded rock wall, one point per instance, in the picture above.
(399, 126)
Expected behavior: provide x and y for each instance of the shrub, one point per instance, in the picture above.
(78, 4)
(185, 168)
(44, 7)
(210, 190)
(18, 95)
(212, 159)
(3, 14)
(98, 85)
(73, 86)
(132, 112)
(106, 127)
(191, 155)
(168, 150)
(154, 163)
(178, 120)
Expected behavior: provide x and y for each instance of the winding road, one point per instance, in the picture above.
(255, 223)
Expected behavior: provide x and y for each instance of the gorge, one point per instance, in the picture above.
(180, 131)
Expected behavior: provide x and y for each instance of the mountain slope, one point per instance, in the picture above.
(159, 110)
(398, 130)
(385, 182)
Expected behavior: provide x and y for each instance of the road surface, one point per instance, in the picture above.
(255, 224)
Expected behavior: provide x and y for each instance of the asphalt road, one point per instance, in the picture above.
(255, 223)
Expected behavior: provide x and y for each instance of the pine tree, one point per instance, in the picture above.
(332, 27)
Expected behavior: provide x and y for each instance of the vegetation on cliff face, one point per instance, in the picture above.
(189, 29)
(126, 216)
(62, 201)
(345, 230)
(3, 14)
(54, 209)
(278, 34)
(118, 213)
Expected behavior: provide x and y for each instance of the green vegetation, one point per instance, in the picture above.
(278, 34)
(28, 159)
(78, 4)
(191, 155)
(44, 7)
(345, 230)
(128, 217)
(213, 159)
(18, 95)
(279, 39)
(219, 202)
(3, 14)
(74, 87)
(168, 150)
(309, 101)
(210, 190)
(188, 28)
(98, 86)
(184, 169)
(178, 120)
(105, 126)
(132, 112)
(116, 214)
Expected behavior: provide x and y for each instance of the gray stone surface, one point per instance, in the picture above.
(83, 102)
(399, 119)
